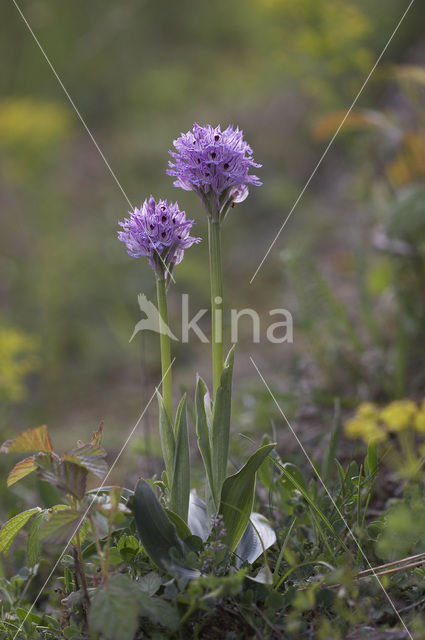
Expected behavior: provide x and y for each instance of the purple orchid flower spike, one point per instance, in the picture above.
(158, 231)
(215, 164)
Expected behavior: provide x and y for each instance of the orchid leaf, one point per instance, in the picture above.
(203, 431)
(237, 497)
(180, 488)
(198, 517)
(220, 431)
(157, 533)
(257, 537)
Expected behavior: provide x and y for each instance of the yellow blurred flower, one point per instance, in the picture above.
(399, 415)
(365, 428)
(18, 358)
(419, 423)
(367, 410)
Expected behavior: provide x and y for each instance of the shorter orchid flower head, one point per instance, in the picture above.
(215, 164)
(158, 231)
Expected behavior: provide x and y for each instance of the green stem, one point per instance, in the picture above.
(216, 300)
(167, 387)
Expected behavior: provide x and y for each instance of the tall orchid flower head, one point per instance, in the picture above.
(160, 232)
(215, 164)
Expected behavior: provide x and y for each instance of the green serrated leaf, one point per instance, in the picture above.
(158, 611)
(237, 496)
(60, 524)
(150, 583)
(12, 527)
(180, 487)
(114, 609)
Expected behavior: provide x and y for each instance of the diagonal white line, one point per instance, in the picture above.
(331, 499)
(92, 502)
(82, 121)
(332, 141)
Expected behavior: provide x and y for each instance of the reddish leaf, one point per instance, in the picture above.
(37, 439)
(64, 474)
(21, 469)
(97, 436)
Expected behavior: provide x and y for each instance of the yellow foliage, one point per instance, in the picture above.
(34, 123)
(18, 358)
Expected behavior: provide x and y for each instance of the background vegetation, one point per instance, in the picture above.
(350, 264)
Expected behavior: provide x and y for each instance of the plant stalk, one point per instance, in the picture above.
(216, 278)
(167, 386)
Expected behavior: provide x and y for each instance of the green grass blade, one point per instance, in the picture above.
(311, 502)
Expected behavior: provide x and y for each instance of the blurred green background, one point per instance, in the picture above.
(141, 72)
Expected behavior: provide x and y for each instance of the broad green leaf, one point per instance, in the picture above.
(157, 533)
(20, 470)
(221, 428)
(237, 497)
(198, 520)
(114, 610)
(180, 486)
(258, 536)
(182, 528)
(60, 524)
(202, 430)
(12, 527)
(64, 474)
(37, 439)
(168, 445)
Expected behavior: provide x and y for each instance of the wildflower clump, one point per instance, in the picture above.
(372, 424)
